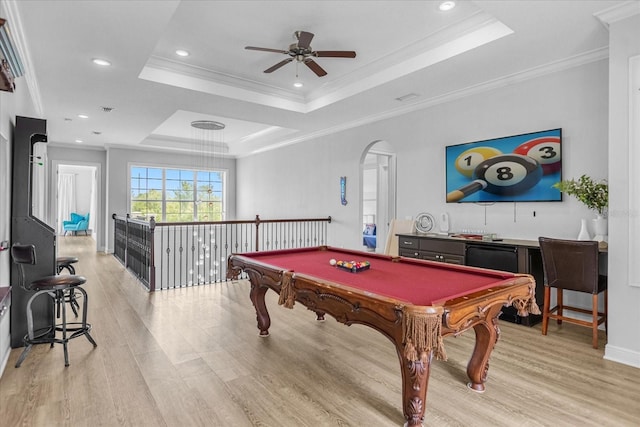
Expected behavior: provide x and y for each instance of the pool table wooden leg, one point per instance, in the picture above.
(262, 315)
(487, 334)
(415, 379)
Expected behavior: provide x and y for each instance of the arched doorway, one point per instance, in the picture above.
(378, 193)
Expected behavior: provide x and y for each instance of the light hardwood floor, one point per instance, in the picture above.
(192, 357)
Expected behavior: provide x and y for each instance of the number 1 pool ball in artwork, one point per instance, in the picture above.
(469, 159)
(545, 150)
(509, 174)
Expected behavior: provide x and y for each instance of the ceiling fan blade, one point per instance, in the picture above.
(315, 67)
(334, 54)
(266, 49)
(278, 65)
(304, 39)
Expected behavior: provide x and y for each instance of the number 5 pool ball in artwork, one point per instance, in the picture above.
(545, 150)
(507, 175)
(469, 159)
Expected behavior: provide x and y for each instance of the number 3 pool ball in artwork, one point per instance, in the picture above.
(545, 150)
(509, 174)
(469, 159)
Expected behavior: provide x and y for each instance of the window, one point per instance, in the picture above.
(177, 195)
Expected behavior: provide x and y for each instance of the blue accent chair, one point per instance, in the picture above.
(77, 223)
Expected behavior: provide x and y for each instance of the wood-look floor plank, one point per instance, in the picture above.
(193, 357)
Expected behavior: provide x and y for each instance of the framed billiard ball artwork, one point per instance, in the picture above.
(518, 168)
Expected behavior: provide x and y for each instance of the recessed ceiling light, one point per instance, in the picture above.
(182, 52)
(99, 61)
(83, 116)
(298, 84)
(447, 5)
(79, 141)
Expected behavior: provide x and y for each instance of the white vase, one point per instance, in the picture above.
(600, 229)
(584, 230)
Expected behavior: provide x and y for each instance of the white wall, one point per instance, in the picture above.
(623, 342)
(303, 180)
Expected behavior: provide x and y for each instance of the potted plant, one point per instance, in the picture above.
(594, 195)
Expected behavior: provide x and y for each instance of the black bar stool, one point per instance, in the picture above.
(66, 263)
(55, 287)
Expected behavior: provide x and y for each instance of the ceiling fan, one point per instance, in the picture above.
(302, 52)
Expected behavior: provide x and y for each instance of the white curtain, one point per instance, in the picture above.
(66, 198)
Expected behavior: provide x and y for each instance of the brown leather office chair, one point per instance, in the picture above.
(572, 265)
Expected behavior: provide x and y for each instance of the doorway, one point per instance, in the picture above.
(77, 190)
(378, 201)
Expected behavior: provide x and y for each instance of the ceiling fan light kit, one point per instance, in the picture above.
(302, 52)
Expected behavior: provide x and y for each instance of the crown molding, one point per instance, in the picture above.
(507, 80)
(617, 13)
(21, 45)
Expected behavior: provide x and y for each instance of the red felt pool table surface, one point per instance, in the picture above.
(419, 283)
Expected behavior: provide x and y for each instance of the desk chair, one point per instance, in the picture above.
(572, 265)
(56, 287)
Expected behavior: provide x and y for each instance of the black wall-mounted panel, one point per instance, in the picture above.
(26, 229)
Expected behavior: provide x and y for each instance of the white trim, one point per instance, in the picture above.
(509, 80)
(634, 173)
(21, 45)
(622, 355)
(618, 12)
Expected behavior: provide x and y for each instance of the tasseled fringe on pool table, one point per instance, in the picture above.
(526, 307)
(422, 334)
(287, 293)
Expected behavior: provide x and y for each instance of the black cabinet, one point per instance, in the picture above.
(430, 249)
(505, 258)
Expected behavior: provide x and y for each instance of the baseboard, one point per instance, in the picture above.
(622, 355)
(3, 364)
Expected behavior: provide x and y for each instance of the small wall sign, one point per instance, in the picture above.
(343, 190)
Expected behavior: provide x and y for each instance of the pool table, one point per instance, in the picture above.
(414, 303)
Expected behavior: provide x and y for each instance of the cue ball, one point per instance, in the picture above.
(545, 150)
(332, 261)
(509, 174)
(468, 160)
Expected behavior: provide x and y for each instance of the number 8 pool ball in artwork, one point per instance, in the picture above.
(469, 159)
(509, 174)
(545, 150)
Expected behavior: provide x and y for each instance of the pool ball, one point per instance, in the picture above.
(332, 261)
(509, 174)
(468, 160)
(545, 150)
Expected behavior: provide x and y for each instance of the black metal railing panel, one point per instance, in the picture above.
(133, 247)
